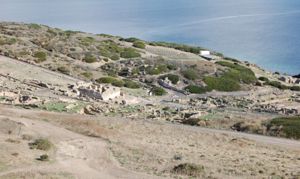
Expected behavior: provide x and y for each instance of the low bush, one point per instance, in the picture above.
(295, 88)
(181, 47)
(173, 78)
(40, 56)
(131, 84)
(265, 79)
(89, 59)
(87, 74)
(158, 91)
(277, 84)
(238, 73)
(222, 84)
(189, 169)
(157, 69)
(63, 70)
(111, 80)
(43, 158)
(190, 74)
(34, 26)
(196, 89)
(130, 53)
(285, 127)
(41, 144)
(130, 39)
(139, 44)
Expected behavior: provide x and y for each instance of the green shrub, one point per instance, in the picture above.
(157, 69)
(63, 70)
(111, 80)
(173, 78)
(196, 89)
(158, 91)
(139, 44)
(7, 41)
(40, 56)
(118, 83)
(115, 57)
(89, 59)
(190, 74)
(41, 144)
(265, 79)
(277, 84)
(131, 84)
(239, 73)
(86, 41)
(289, 126)
(181, 47)
(189, 169)
(34, 26)
(131, 39)
(295, 88)
(43, 158)
(221, 84)
(87, 74)
(130, 53)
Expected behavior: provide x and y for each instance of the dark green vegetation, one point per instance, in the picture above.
(139, 44)
(43, 158)
(40, 56)
(189, 169)
(196, 89)
(279, 85)
(118, 82)
(41, 144)
(182, 47)
(285, 127)
(173, 78)
(158, 91)
(110, 49)
(34, 26)
(130, 53)
(221, 84)
(265, 79)
(231, 79)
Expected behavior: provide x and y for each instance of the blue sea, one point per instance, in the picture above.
(266, 32)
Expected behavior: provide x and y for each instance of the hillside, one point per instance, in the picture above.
(128, 98)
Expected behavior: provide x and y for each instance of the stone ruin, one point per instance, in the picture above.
(94, 91)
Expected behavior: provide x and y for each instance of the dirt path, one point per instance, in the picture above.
(81, 156)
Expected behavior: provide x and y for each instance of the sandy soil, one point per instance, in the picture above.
(151, 147)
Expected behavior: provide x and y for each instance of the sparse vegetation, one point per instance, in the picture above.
(41, 144)
(189, 169)
(34, 26)
(190, 74)
(173, 78)
(157, 69)
(158, 91)
(40, 56)
(90, 59)
(87, 74)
